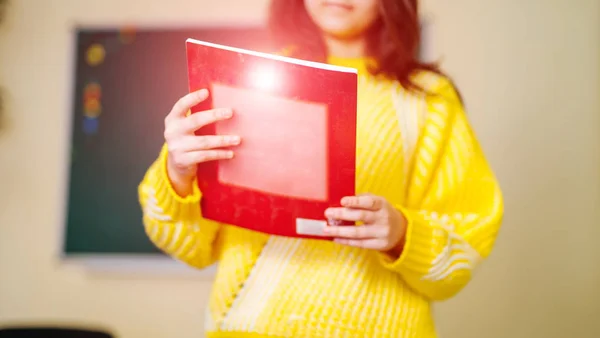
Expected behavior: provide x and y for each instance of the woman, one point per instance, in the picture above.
(430, 204)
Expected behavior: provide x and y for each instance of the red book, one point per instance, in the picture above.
(297, 122)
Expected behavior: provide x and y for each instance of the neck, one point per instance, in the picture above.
(351, 48)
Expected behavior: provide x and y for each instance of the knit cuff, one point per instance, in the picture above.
(167, 198)
(417, 255)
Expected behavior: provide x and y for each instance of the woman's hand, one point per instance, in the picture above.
(185, 148)
(383, 226)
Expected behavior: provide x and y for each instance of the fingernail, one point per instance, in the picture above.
(235, 139)
(328, 213)
(345, 201)
(202, 92)
(225, 113)
(230, 154)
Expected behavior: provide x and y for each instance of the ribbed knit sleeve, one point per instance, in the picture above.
(453, 204)
(174, 223)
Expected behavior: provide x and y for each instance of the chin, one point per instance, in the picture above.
(341, 31)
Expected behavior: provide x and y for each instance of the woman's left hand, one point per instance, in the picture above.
(383, 226)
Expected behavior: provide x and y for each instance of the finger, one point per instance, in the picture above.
(184, 104)
(208, 142)
(374, 244)
(368, 202)
(203, 118)
(357, 232)
(347, 214)
(195, 157)
(215, 141)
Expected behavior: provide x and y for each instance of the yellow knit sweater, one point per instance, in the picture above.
(418, 152)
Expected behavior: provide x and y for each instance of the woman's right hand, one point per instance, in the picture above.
(185, 148)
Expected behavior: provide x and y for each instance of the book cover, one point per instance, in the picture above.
(297, 122)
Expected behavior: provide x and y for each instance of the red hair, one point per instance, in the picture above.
(393, 40)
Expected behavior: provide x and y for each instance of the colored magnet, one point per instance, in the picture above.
(92, 94)
(90, 126)
(127, 35)
(95, 54)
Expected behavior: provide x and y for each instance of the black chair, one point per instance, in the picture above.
(51, 332)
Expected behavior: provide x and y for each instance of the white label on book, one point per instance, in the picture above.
(310, 227)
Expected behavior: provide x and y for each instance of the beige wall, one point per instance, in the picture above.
(530, 72)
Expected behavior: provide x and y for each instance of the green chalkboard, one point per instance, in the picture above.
(126, 81)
